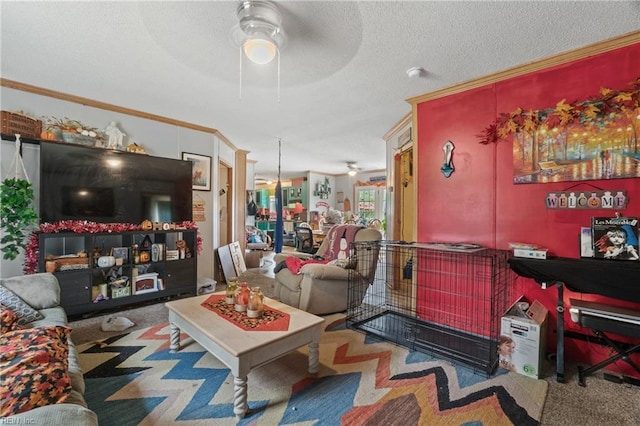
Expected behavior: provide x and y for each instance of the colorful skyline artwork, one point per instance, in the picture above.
(596, 138)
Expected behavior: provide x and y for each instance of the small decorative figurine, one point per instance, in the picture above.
(115, 136)
(134, 147)
(183, 250)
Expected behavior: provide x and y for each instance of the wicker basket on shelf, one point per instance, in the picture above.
(66, 263)
(25, 126)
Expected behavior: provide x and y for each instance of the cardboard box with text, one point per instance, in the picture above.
(522, 343)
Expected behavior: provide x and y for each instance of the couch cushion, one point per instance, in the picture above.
(51, 316)
(38, 290)
(57, 316)
(8, 320)
(23, 311)
(66, 414)
(34, 368)
(348, 263)
(289, 280)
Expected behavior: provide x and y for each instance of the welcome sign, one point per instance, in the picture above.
(597, 199)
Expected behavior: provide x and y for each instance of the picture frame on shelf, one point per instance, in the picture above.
(201, 172)
(121, 253)
(146, 283)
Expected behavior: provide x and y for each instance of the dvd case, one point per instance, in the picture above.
(586, 242)
(615, 238)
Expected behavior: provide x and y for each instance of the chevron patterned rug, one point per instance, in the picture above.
(133, 379)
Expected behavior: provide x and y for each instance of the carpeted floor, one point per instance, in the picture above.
(134, 379)
(600, 402)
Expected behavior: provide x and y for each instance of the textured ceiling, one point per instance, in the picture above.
(343, 72)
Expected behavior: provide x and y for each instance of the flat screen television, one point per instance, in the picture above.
(107, 186)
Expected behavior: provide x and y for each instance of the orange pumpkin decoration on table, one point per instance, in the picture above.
(47, 135)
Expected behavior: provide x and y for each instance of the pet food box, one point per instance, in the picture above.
(524, 330)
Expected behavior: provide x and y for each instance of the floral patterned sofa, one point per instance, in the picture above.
(42, 382)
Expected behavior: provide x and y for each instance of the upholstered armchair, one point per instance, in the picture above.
(324, 288)
(257, 239)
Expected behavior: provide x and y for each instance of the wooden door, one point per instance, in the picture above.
(225, 202)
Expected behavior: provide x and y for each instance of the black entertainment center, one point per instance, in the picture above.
(115, 262)
(85, 283)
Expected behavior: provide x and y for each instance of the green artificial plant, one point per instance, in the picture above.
(16, 215)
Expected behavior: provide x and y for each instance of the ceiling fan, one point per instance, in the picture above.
(353, 168)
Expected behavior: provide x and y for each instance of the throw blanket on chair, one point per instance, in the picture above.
(294, 264)
(340, 237)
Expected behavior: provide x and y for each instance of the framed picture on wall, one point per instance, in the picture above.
(405, 137)
(201, 175)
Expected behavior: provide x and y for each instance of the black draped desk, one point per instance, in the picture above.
(618, 279)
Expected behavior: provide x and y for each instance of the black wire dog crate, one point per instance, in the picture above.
(442, 299)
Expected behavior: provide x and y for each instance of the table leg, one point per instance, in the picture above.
(314, 358)
(560, 337)
(174, 342)
(240, 396)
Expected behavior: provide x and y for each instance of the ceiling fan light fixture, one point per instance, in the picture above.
(259, 30)
(353, 168)
(259, 35)
(260, 50)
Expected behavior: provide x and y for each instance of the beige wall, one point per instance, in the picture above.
(164, 139)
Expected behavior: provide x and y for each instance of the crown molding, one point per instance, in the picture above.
(398, 126)
(551, 61)
(106, 106)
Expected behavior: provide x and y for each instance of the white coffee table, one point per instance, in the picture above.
(242, 350)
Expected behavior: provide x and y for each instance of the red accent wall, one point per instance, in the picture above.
(480, 204)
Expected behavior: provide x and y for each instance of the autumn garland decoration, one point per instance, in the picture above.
(81, 227)
(607, 105)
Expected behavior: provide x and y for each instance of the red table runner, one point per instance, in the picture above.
(271, 320)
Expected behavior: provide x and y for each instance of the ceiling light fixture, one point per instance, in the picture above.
(259, 34)
(353, 168)
(260, 50)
